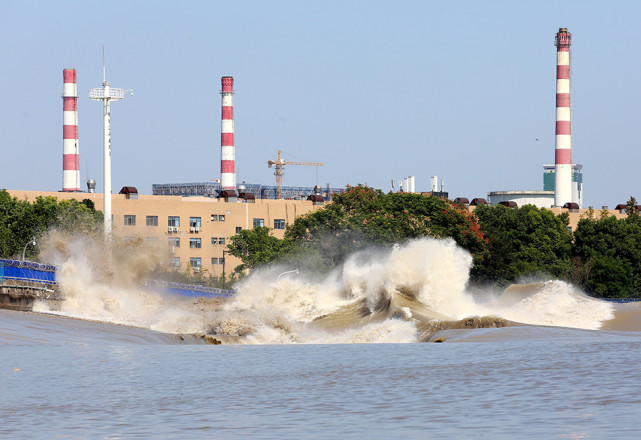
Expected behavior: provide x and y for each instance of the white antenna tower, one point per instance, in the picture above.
(106, 94)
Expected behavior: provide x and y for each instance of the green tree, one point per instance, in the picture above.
(631, 207)
(20, 221)
(362, 217)
(522, 241)
(612, 248)
(256, 247)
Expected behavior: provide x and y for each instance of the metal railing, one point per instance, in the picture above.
(27, 272)
(195, 288)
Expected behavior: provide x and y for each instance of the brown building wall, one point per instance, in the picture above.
(578, 214)
(583, 213)
(236, 215)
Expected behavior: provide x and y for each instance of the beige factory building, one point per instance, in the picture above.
(196, 229)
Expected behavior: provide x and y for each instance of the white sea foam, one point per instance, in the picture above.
(560, 304)
(267, 309)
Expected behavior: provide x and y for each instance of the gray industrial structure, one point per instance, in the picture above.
(212, 189)
(549, 181)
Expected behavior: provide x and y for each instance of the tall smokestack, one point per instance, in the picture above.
(563, 151)
(228, 152)
(70, 155)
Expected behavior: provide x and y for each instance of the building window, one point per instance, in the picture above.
(194, 222)
(214, 240)
(174, 262)
(259, 222)
(174, 241)
(221, 261)
(238, 229)
(129, 239)
(221, 240)
(151, 239)
(152, 220)
(221, 218)
(195, 262)
(214, 218)
(173, 221)
(130, 220)
(279, 223)
(194, 243)
(214, 260)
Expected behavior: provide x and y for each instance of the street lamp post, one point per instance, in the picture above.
(224, 261)
(284, 273)
(24, 251)
(106, 94)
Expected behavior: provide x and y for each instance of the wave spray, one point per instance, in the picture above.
(402, 294)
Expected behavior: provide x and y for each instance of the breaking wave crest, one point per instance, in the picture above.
(403, 294)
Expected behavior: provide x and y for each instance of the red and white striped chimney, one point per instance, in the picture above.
(228, 152)
(70, 154)
(563, 150)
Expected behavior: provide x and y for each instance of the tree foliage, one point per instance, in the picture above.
(256, 247)
(631, 207)
(522, 241)
(611, 248)
(361, 217)
(21, 221)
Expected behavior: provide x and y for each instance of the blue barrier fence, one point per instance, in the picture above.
(191, 290)
(46, 274)
(27, 271)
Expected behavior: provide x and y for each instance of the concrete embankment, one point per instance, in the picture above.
(21, 295)
(22, 283)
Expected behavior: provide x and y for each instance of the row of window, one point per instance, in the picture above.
(194, 222)
(279, 223)
(172, 220)
(195, 262)
(195, 242)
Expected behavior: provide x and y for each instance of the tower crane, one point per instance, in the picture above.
(279, 163)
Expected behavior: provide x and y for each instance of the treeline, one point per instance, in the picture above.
(21, 222)
(357, 219)
(603, 256)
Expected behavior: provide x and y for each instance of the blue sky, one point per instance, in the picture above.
(377, 90)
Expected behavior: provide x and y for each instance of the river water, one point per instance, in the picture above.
(340, 357)
(490, 383)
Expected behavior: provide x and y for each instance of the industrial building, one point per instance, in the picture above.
(540, 199)
(195, 230)
(549, 181)
(212, 188)
(562, 181)
(191, 222)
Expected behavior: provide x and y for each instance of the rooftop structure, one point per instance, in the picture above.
(540, 199)
(211, 189)
(549, 181)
